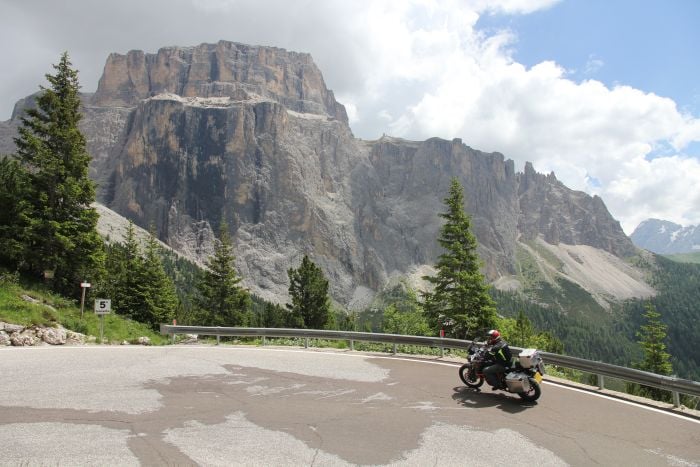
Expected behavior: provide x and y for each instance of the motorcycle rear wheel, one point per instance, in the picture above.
(533, 394)
(469, 377)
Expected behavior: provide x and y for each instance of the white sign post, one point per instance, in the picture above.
(103, 307)
(83, 285)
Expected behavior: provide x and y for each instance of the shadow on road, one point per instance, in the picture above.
(476, 398)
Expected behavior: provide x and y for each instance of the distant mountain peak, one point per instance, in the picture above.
(666, 237)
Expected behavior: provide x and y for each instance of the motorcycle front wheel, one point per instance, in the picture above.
(533, 394)
(469, 377)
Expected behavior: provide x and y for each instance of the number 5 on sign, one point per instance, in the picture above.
(103, 306)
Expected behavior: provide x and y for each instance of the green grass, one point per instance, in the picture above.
(685, 258)
(546, 255)
(529, 273)
(52, 310)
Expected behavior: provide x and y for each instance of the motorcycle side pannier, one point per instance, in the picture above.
(517, 382)
(527, 358)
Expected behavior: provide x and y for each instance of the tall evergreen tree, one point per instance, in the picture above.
(459, 302)
(124, 266)
(308, 290)
(222, 301)
(157, 289)
(61, 234)
(14, 212)
(273, 316)
(656, 359)
(137, 283)
(523, 330)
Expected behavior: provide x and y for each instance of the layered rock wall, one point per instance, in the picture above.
(225, 69)
(189, 136)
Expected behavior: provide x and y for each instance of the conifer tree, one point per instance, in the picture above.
(523, 330)
(308, 290)
(125, 268)
(273, 316)
(61, 234)
(222, 301)
(14, 212)
(459, 302)
(656, 359)
(157, 289)
(137, 283)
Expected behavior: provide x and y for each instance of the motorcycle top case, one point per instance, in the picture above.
(517, 382)
(528, 358)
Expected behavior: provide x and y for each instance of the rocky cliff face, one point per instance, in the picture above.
(189, 136)
(225, 69)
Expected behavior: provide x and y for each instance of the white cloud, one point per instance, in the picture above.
(595, 138)
(410, 68)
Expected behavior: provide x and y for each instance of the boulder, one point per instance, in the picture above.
(25, 338)
(13, 328)
(53, 336)
(4, 339)
(74, 338)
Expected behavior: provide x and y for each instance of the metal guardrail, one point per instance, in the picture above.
(675, 385)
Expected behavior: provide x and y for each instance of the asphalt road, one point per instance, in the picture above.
(184, 405)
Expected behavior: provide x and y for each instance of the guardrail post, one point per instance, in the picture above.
(442, 351)
(263, 340)
(306, 342)
(352, 344)
(601, 382)
(394, 350)
(218, 339)
(676, 399)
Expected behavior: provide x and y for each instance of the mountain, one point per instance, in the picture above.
(189, 136)
(664, 237)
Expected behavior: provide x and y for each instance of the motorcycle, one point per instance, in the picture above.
(523, 378)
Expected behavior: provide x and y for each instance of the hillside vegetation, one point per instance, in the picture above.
(685, 257)
(591, 331)
(33, 304)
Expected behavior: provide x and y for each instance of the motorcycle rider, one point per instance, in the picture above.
(499, 351)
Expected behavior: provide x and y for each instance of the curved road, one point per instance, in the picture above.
(186, 405)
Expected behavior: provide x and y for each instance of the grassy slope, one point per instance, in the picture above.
(685, 258)
(54, 309)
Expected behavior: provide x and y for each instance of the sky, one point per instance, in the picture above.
(605, 94)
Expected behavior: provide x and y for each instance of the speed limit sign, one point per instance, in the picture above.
(103, 306)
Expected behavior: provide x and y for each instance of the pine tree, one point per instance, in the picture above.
(523, 330)
(157, 289)
(460, 302)
(222, 301)
(656, 359)
(137, 283)
(61, 233)
(308, 290)
(126, 268)
(273, 316)
(14, 212)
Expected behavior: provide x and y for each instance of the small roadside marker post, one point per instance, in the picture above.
(103, 307)
(83, 285)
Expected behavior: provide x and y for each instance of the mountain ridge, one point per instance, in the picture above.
(665, 237)
(189, 136)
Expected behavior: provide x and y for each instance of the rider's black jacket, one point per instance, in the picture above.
(500, 353)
